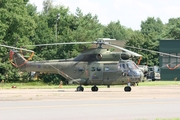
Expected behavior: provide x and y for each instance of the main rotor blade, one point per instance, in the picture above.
(66, 43)
(161, 53)
(131, 52)
(15, 48)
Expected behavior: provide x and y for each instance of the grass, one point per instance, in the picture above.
(168, 119)
(41, 85)
(29, 85)
(159, 83)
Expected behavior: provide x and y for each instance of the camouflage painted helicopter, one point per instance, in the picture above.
(99, 66)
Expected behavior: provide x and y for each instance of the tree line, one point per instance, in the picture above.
(22, 25)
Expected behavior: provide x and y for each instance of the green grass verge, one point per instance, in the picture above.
(168, 119)
(41, 85)
(159, 83)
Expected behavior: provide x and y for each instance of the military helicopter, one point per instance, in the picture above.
(99, 66)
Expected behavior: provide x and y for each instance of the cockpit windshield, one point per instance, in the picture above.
(131, 65)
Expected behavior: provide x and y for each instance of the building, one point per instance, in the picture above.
(169, 65)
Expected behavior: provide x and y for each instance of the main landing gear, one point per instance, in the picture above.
(95, 88)
(81, 89)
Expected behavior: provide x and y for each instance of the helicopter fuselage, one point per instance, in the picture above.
(96, 67)
(88, 73)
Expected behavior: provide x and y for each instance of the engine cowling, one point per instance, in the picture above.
(125, 56)
(99, 56)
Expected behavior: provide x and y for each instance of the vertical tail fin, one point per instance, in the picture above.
(17, 59)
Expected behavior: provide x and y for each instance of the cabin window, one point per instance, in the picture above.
(106, 68)
(123, 66)
(93, 69)
(98, 69)
(81, 69)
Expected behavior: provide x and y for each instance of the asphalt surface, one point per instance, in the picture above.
(145, 102)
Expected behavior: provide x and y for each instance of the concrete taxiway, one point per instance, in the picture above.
(143, 102)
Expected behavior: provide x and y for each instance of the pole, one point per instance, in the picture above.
(57, 18)
(56, 30)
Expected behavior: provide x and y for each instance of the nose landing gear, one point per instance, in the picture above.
(127, 89)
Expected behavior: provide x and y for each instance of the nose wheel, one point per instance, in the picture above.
(127, 89)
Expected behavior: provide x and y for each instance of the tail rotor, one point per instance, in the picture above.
(14, 56)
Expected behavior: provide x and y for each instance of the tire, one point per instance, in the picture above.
(127, 89)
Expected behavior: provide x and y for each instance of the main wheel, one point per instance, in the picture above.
(94, 89)
(127, 89)
(80, 88)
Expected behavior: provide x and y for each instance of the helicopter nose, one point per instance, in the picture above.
(137, 73)
(134, 73)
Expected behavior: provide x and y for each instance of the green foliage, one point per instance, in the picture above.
(51, 78)
(69, 28)
(115, 30)
(8, 73)
(173, 28)
(16, 22)
(47, 5)
(153, 28)
(139, 41)
(31, 9)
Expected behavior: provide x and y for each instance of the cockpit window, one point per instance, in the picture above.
(132, 65)
(123, 66)
(81, 69)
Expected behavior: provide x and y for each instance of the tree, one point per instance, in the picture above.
(47, 5)
(152, 31)
(70, 28)
(115, 30)
(31, 9)
(153, 28)
(15, 23)
(141, 41)
(173, 28)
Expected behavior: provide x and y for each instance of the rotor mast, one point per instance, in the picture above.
(102, 41)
